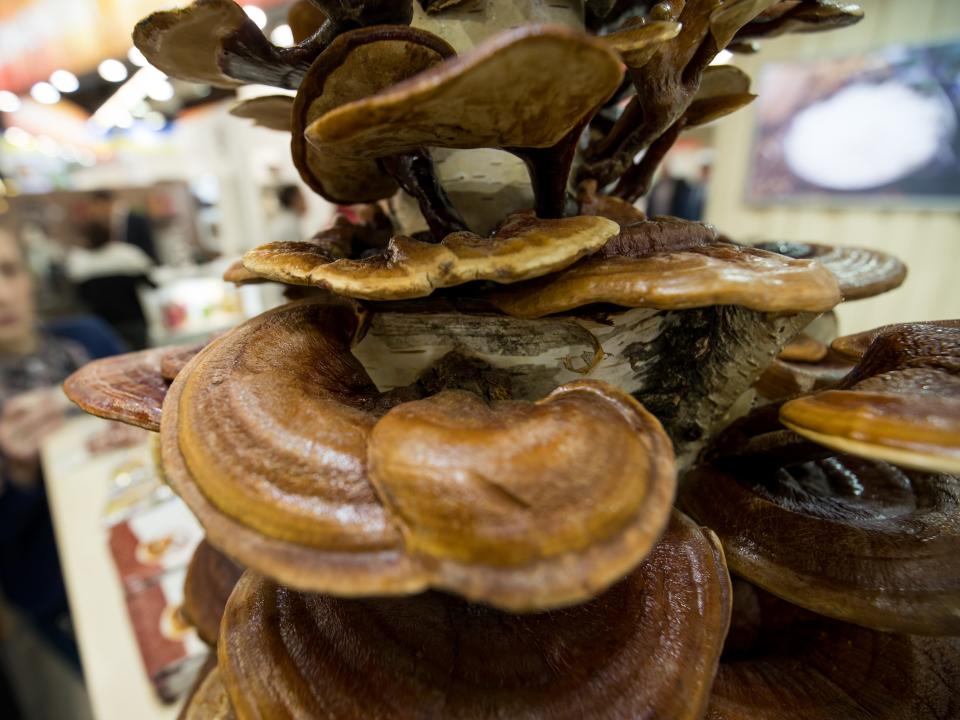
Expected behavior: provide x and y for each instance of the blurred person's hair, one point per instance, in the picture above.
(287, 195)
(96, 235)
(102, 195)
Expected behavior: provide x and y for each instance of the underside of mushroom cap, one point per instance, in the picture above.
(648, 647)
(356, 65)
(800, 16)
(278, 473)
(720, 274)
(853, 539)
(524, 247)
(211, 577)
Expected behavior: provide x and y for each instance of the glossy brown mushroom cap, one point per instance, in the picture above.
(648, 647)
(901, 403)
(793, 664)
(356, 65)
(721, 274)
(524, 247)
(557, 77)
(239, 275)
(853, 347)
(129, 388)
(852, 539)
(211, 577)
(280, 473)
(636, 43)
(174, 359)
(493, 495)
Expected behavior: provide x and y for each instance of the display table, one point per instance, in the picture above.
(77, 485)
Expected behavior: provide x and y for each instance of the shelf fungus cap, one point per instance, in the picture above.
(900, 403)
(524, 247)
(129, 388)
(719, 274)
(724, 89)
(304, 478)
(208, 700)
(862, 273)
(524, 88)
(647, 648)
(852, 539)
(274, 112)
(853, 347)
(239, 275)
(805, 16)
(211, 577)
(636, 43)
(214, 42)
(356, 65)
(783, 662)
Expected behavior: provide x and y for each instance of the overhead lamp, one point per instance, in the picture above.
(112, 70)
(722, 58)
(9, 103)
(257, 15)
(160, 90)
(64, 81)
(282, 36)
(44, 92)
(17, 137)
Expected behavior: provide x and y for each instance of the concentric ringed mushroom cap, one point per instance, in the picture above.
(782, 662)
(862, 273)
(129, 388)
(525, 88)
(356, 65)
(852, 539)
(523, 248)
(722, 274)
(901, 403)
(280, 473)
(648, 647)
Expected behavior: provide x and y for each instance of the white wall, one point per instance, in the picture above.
(928, 241)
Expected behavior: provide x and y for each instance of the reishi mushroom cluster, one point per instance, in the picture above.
(514, 449)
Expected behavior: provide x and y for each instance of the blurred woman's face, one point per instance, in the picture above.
(16, 298)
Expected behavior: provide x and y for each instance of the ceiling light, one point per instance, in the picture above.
(17, 137)
(9, 103)
(282, 36)
(48, 146)
(722, 58)
(112, 70)
(64, 81)
(123, 120)
(257, 15)
(154, 121)
(160, 90)
(44, 92)
(137, 58)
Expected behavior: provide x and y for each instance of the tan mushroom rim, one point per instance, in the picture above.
(274, 112)
(648, 647)
(525, 88)
(919, 431)
(880, 548)
(523, 249)
(272, 436)
(356, 65)
(129, 388)
(239, 275)
(721, 274)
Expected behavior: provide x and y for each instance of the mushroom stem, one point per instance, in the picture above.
(636, 181)
(417, 176)
(549, 169)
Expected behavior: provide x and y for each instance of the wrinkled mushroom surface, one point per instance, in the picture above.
(853, 347)
(782, 662)
(524, 247)
(852, 539)
(720, 274)
(648, 647)
(280, 473)
(129, 388)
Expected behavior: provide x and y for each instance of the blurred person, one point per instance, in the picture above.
(107, 274)
(125, 225)
(285, 226)
(33, 363)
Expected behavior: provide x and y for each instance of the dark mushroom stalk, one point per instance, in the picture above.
(417, 177)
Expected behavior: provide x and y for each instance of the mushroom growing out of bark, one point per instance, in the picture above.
(647, 647)
(524, 247)
(215, 42)
(780, 661)
(345, 515)
(558, 79)
(901, 403)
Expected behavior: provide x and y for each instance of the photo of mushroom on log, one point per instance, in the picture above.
(436, 359)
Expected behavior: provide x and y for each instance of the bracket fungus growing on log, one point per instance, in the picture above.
(345, 517)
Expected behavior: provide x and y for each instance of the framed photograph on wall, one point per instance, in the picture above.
(882, 127)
